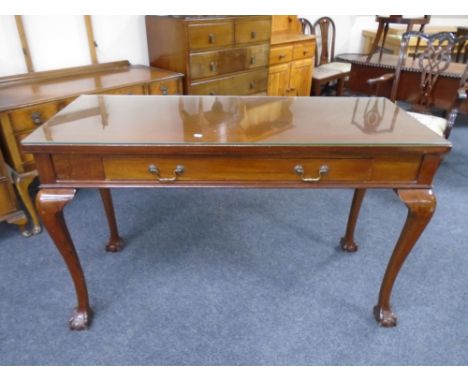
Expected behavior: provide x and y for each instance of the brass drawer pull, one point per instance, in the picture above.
(213, 66)
(299, 170)
(153, 169)
(252, 60)
(36, 118)
(211, 38)
(281, 56)
(164, 89)
(305, 52)
(253, 34)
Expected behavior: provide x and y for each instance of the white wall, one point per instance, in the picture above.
(61, 41)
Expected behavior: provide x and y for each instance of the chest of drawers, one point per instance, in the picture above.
(222, 55)
(29, 100)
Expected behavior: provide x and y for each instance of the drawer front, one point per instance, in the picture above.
(236, 169)
(209, 64)
(128, 90)
(32, 117)
(281, 54)
(204, 36)
(303, 50)
(166, 87)
(252, 31)
(240, 84)
(7, 199)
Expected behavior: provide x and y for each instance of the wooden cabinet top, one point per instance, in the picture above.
(39, 87)
(284, 38)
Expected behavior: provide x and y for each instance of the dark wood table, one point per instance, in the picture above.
(445, 89)
(203, 141)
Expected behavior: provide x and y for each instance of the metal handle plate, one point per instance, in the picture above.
(299, 170)
(179, 170)
(164, 89)
(211, 38)
(253, 34)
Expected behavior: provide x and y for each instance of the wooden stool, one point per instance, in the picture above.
(385, 21)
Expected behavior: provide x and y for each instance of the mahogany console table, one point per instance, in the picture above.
(445, 89)
(208, 141)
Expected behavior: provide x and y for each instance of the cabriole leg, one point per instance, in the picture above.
(50, 204)
(421, 206)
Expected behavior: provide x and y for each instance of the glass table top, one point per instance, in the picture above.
(232, 120)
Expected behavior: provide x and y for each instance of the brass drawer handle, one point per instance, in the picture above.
(211, 38)
(252, 85)
(213, 66)
(36, 118)
(281, 56)
(253, 34)
(299, 170)
(305, 52)
(153, 169)
(164, 89)
(252, 60)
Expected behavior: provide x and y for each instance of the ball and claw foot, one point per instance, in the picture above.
(348, 246)
(385, 318)
(114, 245)
(80, 320)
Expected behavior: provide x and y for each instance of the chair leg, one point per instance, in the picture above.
(340, 86)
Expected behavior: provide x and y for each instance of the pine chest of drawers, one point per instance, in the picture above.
(219, 55)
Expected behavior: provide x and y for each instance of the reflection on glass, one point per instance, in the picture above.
(369, 115)
(233, 119)
(99, 110)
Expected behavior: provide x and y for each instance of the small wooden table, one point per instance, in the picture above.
(203, 141)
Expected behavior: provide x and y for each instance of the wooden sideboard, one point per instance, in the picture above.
(219, 55)
(29, 100)
(9, 208)
(291, 58)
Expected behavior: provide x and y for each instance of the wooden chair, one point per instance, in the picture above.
(384, 23)
(431, 62)
(326, 71)
(460, 49)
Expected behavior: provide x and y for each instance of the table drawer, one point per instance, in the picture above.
(227, 61)
(166, 87)
(128, 90)
(237, 169)
(281, 54)
(211, 35)
(252, 31)
(31, 117)
(303, 50)
(239, 84)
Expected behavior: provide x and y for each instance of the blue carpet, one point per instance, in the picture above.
(243, 277)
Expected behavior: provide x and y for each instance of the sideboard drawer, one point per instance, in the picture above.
(31, 117)
(281, 54)
(212, 35)
(303, 50)
(128, 90)
(252, 31)
(166, 87)
(241, 84)
(236, 169)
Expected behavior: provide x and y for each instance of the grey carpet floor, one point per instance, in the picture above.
(243, 277)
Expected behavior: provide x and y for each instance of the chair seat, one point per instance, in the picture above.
(436, 124)
(342, 67)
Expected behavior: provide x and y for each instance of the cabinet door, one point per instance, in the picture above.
(301, 78)
(278, 80)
